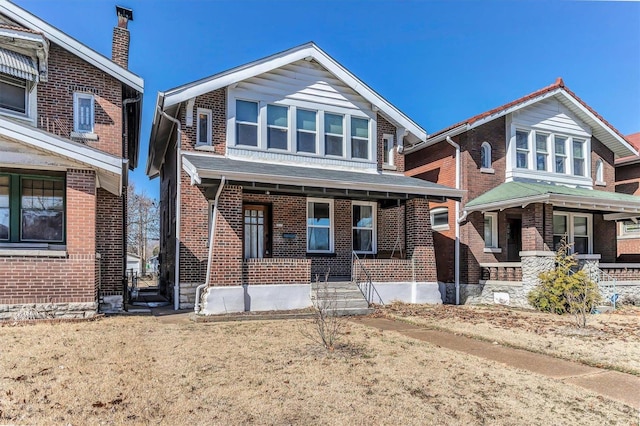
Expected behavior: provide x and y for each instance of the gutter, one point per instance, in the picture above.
(176, 278)
(212, 234)
(458, 220)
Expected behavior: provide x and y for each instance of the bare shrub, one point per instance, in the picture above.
(328, 326)
(31, 312)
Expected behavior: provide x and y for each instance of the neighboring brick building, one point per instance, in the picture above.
(298, 165)
(69, 132)
(628, 182)
(534, 170)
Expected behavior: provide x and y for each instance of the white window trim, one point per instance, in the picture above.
(546, 152)
(374, 228)
(486, 168)
(495, 247)
(570, 224)
(521, 150)
(209, 115)
(622, 234)
(436, 211)
(31, 106)
(389, 139)
(331, 225)
(76, 97)
(294, 146)
(352, 138)
(345, 120)
(600, 173)
(585, 156)
(231, 125)
(268, 126)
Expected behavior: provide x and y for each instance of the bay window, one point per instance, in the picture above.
(333, 134)
(319, 226)
(277, 126)
(364, 224)
(246, 123)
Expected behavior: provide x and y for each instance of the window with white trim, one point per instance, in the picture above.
(578, 157)
(387, 149)
(203, 128)
(491, 230)
(542, 151)
(599, 171)
(485, 155)
(522, 149)
(364, 226)
(13, 94)
(277, 127)
(83, 112)
(319, 225)
(246, 123)
(333, 134)
(359, 138)
(306, 131)
(440, 219)
(577, 227)
(560, 151)
(628, 228)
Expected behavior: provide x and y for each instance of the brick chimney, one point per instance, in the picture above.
(120, 46)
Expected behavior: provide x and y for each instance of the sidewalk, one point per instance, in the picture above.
(611, 384)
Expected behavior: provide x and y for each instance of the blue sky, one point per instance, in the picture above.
(439, 62)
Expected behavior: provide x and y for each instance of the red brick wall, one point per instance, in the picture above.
(604, 237)
(601, 152)
(26, 279)
(276, 271)
(386, 270)
(420, 241)
(216, 101)
(226, 264)
(68, 74)
(109, 238)
(120, 46)
(629, 246)
(628, 179)
(383, 126)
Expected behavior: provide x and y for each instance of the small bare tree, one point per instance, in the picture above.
(328, 325)
(143, 223)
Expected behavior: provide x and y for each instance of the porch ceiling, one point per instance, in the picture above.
(521, 194)
(292, 179)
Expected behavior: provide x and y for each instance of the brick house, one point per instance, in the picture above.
(69, 133)
(287, 168)
(628, 182)
(534, 170)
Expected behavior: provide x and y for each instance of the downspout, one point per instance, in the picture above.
(125, 184)
(176, 278)
(212, 234)
(458, 220)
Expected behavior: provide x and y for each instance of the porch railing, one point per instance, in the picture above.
(606, 284)
(502, 271)
(364, 283)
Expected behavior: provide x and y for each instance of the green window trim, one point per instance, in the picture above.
(16, 208)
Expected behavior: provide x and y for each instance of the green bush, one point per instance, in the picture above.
(563, 291)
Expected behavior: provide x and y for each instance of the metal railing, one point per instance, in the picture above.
(605, 282)
(366, 286)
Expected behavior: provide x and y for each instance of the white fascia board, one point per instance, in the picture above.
(75, 151)
(501, 205)
(194, 173)
(620, 216)
(439, 138)
(224, 79)
(589, 203)
(72, 45)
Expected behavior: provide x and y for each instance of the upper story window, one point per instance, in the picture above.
(578, 157)
(333, 134)
(203, 128)
(306, 134)
(522, 149)
(387, 150)
(246, 123)
(542, 151)
(83, 112)
(359, 138)
(277, 125)
(560, 147)
(13, 94)
(485, 155)
(440, 219)
(599, 171)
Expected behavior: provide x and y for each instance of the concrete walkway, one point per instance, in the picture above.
(611, 384)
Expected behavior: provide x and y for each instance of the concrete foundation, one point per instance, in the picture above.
(27, 311)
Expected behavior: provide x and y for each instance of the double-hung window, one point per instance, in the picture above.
(319, 226)
(277, 127)
(204, 127)
(491, 230)
(485, 155)
(31, 208)
(13, 94)
(542, 151)
(359, 138)
(333, 134)
(246, 123)
(364, 225)
(306, 130)
(578, 157)
(522, 149)
(577, 229)
(560, 147)
(83, 112)
(440, 219)
(387, 150)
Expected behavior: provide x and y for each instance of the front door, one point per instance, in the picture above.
(514, 239)
(257, 243)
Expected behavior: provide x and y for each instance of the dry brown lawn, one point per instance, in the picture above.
(137, 370)
(610, 340)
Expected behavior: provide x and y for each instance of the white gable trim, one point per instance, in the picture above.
(70, 44)
(306, 51)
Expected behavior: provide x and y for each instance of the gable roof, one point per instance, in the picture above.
(168, 101)
(602, 129)
(520, 194)
(37, 25)
(634, 140)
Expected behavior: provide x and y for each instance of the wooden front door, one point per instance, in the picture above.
(257, 242)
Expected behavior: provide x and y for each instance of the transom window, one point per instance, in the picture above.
(319, 226)
(13, 94)
(577, 227)
(364, 225)
(306, 135)
(277, 125)
(246, 123)
(333, 134)
(83, 112)
(204, 127)
(32, 208)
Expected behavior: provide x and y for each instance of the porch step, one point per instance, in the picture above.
(340, 298)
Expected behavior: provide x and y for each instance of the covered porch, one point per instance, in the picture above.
(278, 229)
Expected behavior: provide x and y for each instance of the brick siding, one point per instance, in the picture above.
(276, 271)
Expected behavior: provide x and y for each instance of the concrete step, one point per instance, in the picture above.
(352, 311)
(333, 285)
(341, 294)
